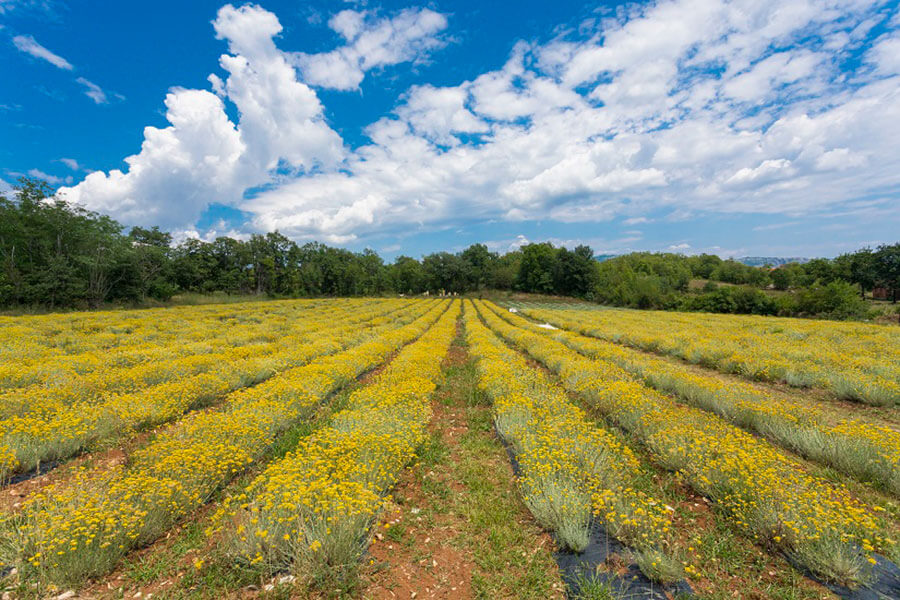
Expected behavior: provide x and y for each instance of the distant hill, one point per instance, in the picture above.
(758, 261)
(752, 261)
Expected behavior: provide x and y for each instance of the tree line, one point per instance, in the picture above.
(57, 255)
(833, 288)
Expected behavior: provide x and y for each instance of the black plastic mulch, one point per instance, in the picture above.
(885, 583)
(580, 567)
(589, 565)
(41, 469)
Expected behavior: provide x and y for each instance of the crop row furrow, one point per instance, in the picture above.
(570, 468)
(98, 385)
(84, 527)
(763, 491)
(863, 449)
(852, 361)
(170, 336)
(314, 508)
(25, 442)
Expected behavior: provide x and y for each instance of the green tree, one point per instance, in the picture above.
(407, 276)
(479, 265)
(504, 271)
(575, 272)
(818, 269)
(195, 266)
(782, 278)
(537, 268)
(445, 271)
(887, 268)
(702, 265)
(859, 268)
(835, 300)
(151, 249)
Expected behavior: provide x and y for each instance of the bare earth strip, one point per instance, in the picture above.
(456, 528)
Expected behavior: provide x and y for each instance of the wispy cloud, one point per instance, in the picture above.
(53, 94)
(71, 163)
(28, 45)
(46, 7)
(51, 179)
(93, 91)
(775, 226)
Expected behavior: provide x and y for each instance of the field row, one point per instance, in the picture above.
(601, 435)
(313, 510)
(855, 361)
(84, 527)
(54, 350)
(57, 426)
(571, 469)
(860, 447)
(765, 492)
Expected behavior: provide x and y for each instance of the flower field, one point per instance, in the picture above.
(107, 402)
(854, 361)
(857, 446)
(279, 432)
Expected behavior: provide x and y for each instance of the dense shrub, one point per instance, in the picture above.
(737, 300)
(835, 300)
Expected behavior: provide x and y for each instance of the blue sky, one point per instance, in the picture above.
(740, 128)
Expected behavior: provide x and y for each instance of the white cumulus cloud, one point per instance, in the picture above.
(678, 107)
(202, 156)
(179, 170)
(371, 42)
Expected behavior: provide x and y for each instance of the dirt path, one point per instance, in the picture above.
(456, 528)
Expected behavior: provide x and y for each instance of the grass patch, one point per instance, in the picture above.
(502, 534)
(463, 483)
(594, 588)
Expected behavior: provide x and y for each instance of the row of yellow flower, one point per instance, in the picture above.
(861, 448)
(763, 491)
(569, 466)
(171, 361)
(315, 507)
(856, 361)
(83, 528)
(69, 428)
(146, 336)
(35, 339)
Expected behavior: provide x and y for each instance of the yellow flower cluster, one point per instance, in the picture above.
(315, 507)
(569, 466)
(69, 418)
(53, 350)
(763, 491)
(860, 448)
(856, 361)
(84, 527)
